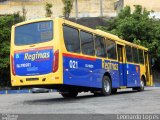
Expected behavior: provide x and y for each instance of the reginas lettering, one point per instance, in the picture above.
(111, 66)
(37, 55)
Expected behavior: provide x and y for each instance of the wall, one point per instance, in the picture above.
(148, 4)
(35, 8)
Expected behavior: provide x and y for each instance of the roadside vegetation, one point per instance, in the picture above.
(137, 27)
(48, 8)
(6, 22)
(68, 5)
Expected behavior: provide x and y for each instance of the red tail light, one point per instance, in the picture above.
(12, 63)
(55, 61)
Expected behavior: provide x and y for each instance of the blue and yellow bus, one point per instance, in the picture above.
(60, 54)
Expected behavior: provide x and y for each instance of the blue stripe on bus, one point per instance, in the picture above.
(89, 73)
(82, 71)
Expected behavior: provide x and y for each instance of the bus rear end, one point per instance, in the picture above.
(34, 55)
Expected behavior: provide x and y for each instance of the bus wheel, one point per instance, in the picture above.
(114, 91)
(106, 86)
(141, 88)
(70, 94)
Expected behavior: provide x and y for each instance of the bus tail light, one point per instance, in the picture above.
(55, 60)
(12, 62)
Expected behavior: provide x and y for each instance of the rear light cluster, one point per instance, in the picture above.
(55, 61)
(12, 63)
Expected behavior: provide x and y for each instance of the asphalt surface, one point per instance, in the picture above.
(124, 102)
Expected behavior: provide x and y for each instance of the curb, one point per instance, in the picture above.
(157, 85)
(14, 91)
(20, 91)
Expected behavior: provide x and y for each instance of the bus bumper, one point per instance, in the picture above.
(47, 79)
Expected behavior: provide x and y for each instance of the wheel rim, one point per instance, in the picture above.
(142, 84)
(106, 86)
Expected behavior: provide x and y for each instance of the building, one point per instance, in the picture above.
(81, 8)
(151, 5)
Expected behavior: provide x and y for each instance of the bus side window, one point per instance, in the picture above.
(111, 49)
(100, 46)
(141, 56)
(87, 43)
(129, 55)
(71, 39)
(135, 55)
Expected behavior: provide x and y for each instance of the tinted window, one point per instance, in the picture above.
(141, 56)
(111, 49)
(34, 33)
(100, 46)
(87, 43)
(71, 39)
(135, 55)
(129, 54)
(120, 53)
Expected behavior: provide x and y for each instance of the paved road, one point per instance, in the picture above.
(50, 103)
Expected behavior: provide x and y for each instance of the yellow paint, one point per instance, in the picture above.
(123, 87)
(110, 66)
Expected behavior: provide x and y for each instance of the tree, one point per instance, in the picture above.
(24, 12)
(68, 5)
(138, 28)
(6, 21)
(48, 7)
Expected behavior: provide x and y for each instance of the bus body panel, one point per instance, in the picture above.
(44, 64)
(122, 74)
(31, 62)
(112, 68)
(133, 75)
(46, 79)
(82, 71)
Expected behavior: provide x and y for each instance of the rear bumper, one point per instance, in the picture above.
(47, 79)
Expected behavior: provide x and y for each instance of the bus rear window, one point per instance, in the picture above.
(34, 33)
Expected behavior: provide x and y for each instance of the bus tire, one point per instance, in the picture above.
(106, 86)
(141, 88)
(114, 91)
(70, 94)
(97, 93)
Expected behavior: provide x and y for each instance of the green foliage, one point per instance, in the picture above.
(24, 12)
(138, 28)
(68, 5)
(48, 7)
(6, 22)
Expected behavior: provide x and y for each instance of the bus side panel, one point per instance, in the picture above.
(133, 75)
(122, 74)
(112, 68)
(82, 71)
(97, 78)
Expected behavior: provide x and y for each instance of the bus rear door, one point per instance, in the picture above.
(121, 68)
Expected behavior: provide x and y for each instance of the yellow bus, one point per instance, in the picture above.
(60, 54)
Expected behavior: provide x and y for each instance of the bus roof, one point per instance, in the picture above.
(116, 38)
(32, 20)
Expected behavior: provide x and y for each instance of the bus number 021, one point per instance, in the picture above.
(73, 64)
